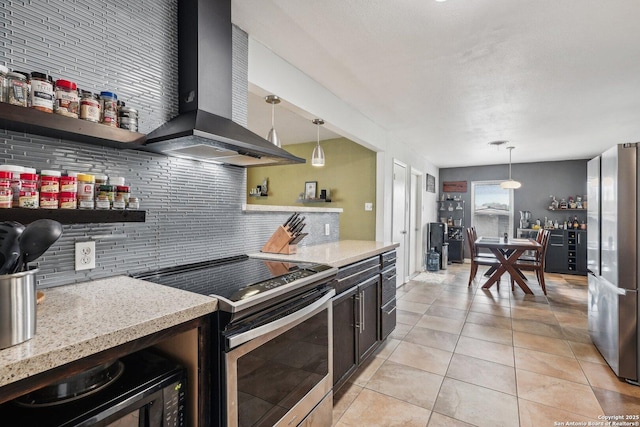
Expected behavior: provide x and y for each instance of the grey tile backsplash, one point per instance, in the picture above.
(194, 209)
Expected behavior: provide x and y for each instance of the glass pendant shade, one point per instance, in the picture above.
(510, 184)
(272, 136)
(317, 157)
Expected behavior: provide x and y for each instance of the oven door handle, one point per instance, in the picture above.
(292, 319)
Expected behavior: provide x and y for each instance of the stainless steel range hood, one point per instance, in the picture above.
(204, 130)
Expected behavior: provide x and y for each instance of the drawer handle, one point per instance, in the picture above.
(390, 277)
(392, 310)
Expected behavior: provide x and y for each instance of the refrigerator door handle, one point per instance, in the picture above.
(611, 286)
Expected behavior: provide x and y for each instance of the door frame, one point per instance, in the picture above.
(402, 265)
(415, 222)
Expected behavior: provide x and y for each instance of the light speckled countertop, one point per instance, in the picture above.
(335, 254)
(75, 321)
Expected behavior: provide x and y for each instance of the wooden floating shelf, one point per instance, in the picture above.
(30, 120)
(568, 209)
(72, 216)
(313, 201)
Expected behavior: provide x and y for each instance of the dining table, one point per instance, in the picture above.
(507, 251)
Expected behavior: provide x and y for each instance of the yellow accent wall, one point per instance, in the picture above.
(349, 172)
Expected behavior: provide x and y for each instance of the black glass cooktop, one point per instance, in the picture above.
(236, 279)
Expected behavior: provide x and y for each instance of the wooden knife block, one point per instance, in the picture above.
(278, 243)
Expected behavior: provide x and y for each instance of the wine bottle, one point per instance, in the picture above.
(576, 224)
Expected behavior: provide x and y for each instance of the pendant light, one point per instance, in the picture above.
(272, 136)
(317, 158)
(510, 183)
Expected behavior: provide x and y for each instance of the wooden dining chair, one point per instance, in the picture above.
(536, 264)
(478, 260)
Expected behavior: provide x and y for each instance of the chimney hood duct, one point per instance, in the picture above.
(203, 129)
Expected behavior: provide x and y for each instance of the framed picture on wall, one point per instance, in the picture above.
(431, 183)
(310, 188)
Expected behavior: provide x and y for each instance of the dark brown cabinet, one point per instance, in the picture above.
(363, 312)
(345, 358)
(368, 320)
(567, 252)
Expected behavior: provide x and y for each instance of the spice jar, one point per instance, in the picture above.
(50, 181)
(17, 90)
(102, 202)
(69, 184)
(49, 189)
(15, 181)
(109, 109)
(3, 83)
(100, 179)
(68, 200)
(28, 190)
(86, 184)
(133, 204)
(116, 180)
(108, 191)
(6, 193)
(41, 92)
(90, 107)
(66, 98)
(128, 118)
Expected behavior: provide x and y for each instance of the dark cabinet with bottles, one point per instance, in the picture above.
(567, 252)
(451, 212)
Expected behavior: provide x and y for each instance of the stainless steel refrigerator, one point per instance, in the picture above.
(612, 257)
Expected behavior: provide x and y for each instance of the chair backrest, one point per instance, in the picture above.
(546, 235)
(540, 234)
(472, 243)
(474, 233)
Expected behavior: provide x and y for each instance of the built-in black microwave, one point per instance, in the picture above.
(143, 389)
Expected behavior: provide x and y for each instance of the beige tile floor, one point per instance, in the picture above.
(465, 356)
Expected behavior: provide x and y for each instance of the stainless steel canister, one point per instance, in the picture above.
(17, 307)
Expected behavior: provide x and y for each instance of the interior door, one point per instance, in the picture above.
(399, 218)
(415, 237)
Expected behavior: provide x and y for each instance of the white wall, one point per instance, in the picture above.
(269, 72)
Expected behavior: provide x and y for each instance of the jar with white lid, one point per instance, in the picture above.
(3, 83)
(116, 180)
(15, 181)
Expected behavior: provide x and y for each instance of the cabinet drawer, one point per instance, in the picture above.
(387, 259)
(387, 318)
(388, 285)
(356, 273)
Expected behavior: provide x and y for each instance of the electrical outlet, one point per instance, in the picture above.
(85, 255)
(368, 206)
(327, 230)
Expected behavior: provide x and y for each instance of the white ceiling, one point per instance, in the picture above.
(559, 79)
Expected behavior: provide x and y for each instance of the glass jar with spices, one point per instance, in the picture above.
(69, 184)
(15, 181)
(86, 184)
(134, 204)
(66, 98)
(17, 90)
(109, 109)
(49, 189)
(6, 193)
(128, 118)
(108, 191)
(100, 179)
(42, 92)
(3, 83)
(102, 202)
(29, 197)
(68, 200)
(89, 107)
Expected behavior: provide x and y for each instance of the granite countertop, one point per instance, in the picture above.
(335, 254)
(75, 321)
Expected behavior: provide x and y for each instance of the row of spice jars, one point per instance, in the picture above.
(39, 91)
(24, 188)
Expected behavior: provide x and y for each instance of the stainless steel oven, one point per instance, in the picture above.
(273, 350)
(280, 368)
